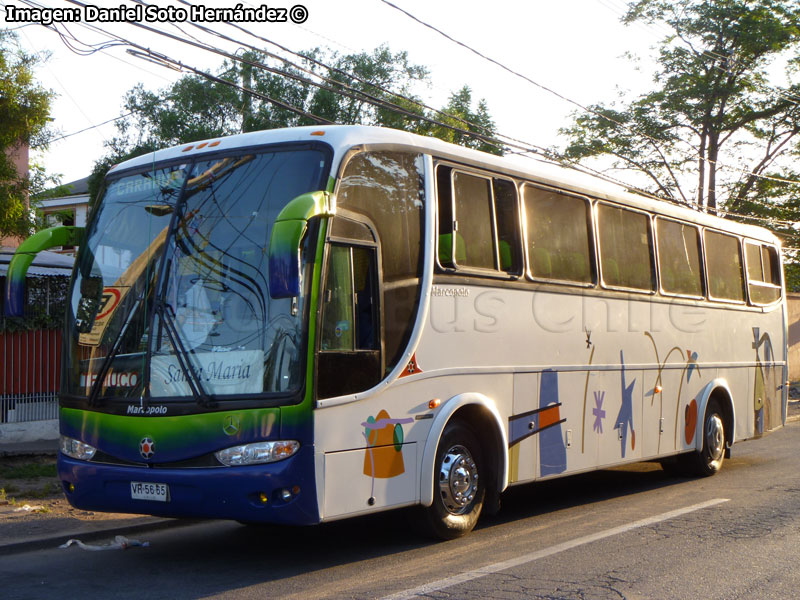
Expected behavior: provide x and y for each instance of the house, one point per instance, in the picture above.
(71, 209)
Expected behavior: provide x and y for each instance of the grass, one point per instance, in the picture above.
(32, 480)
(28, 471)
(5, 499)
(48, 490)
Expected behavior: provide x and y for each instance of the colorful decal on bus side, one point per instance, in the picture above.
(412, 368)
(546, 421)
(598, 412)
(765, 389)
(690, 366)
(384, 454)
(625, 416)
(690, 421)
(552, 451)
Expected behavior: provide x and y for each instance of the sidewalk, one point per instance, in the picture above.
(22, 530)
(42, 526)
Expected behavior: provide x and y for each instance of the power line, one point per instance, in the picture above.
(163, 60)
(58, 139)
(589, 110)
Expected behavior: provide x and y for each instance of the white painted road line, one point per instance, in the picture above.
(435, 586)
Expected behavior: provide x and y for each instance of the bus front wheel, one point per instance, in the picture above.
(459, 488)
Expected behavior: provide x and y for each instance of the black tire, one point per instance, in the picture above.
(459, 486)
(708, 461)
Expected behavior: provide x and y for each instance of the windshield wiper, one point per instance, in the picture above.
(106, 364)
(181, 353)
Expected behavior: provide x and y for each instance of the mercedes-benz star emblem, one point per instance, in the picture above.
(231, 425)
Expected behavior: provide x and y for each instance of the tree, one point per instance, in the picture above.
(715, 123)
(361, 88)
(461, 116)
(24, 111)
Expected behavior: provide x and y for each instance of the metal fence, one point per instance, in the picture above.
(30, 372)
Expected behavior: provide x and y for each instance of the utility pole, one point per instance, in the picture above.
(247, 99)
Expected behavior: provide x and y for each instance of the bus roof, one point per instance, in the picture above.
(344, 137)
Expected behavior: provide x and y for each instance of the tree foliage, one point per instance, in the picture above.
(374, 88)
(24, 111)
(716, 119)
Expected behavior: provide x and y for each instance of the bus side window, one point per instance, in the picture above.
(763, 273)
(479, 223)
(559, 235)
(474, 221)
(679, 257)
(724, 266)
(506, 208)
(349, 357)
(445, 213)
(626, 248)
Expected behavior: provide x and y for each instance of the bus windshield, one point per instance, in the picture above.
(170, 298)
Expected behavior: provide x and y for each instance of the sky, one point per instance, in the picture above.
(575, 48)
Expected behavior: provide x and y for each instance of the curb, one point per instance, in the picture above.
(55, 540)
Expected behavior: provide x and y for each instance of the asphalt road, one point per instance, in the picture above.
(625, 533)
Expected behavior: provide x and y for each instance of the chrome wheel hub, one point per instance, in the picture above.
(715, 437)
(458, 479)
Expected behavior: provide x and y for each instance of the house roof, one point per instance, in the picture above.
(78, 187)
(44, 264)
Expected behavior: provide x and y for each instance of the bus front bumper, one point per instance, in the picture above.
(281, 492)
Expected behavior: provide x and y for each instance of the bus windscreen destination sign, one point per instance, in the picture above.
(235, 372)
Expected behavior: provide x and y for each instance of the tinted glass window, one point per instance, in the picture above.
(508, 229)
(679, 258)
(486, 222)
(559, 237)
(387, 188)
(763, 273)
(626, 259)
(475, 221)
(724, 266)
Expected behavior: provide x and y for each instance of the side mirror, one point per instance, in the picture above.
(287, 234)
(18, 267)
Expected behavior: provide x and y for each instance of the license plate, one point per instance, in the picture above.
(149, 491)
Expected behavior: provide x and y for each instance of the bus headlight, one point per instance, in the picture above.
(76, 449)
(257, 453)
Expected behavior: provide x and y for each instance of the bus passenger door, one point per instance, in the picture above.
(349, 359)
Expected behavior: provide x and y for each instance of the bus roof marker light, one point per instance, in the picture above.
(189, 147)
(214, 144)
(318, 133)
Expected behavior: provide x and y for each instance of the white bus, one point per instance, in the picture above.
(308, 324)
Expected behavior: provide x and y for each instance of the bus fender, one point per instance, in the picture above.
(702, 403)
(447, 410)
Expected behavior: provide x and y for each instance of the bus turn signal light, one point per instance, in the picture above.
(434, 403)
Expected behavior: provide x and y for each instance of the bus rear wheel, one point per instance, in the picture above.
(709, 459)
(459, 489)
